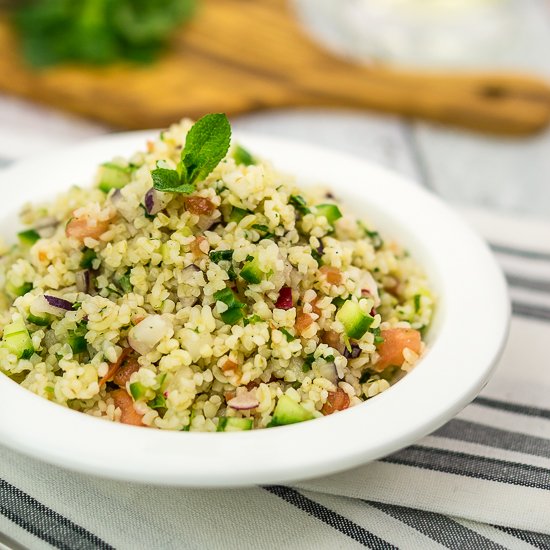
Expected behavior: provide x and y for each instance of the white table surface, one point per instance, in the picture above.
(506, 175)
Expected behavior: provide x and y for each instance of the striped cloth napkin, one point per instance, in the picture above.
(480, 481)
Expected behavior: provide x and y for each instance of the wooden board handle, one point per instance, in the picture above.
(505, 104)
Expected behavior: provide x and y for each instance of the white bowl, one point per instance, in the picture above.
(465, 341)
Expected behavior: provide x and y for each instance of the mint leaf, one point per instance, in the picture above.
(206, 144)
(165, 179)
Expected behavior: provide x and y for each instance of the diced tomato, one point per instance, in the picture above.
(303, 322)
(128, 415)
(122, 376)
(395, 341)
(337, 401)
(315, 309)
(198, 245)
(80, 228)
(229, 365)
(332, 274)
(332, 339)
(113, 367)
(199, 205)
(284, 301)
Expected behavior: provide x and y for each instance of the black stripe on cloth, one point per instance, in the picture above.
(531, 311)
(521, 252)
(331, 518)
(528, 283)
(437, 527)
(464, 430)
(478, 467)
(512, 407)
(538, 540)
(44, 523)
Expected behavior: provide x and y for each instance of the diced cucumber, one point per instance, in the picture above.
(251, 271)
(288, 411)
(137, 389)
(242, 156)
(113, 176)
(40, 321)
(356, 322)
(232, 315)
(231, 424)
(16, 340)
(78, 343)
(28, 237)
(237, 214)
(18, 290)
(330, 211)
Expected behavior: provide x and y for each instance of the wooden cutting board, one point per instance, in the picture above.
(242, 55)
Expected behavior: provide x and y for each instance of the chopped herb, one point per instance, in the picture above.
(252, 320)
(76, 338)
(417, 298)
(338, 301)
(329, 358)
(77, 305)
(299, 203)
(206, 144)
(146, 214)
(18, 290)
(317, 257)
(159, 402)
(374, 236)
(125, 284)
(364, 377)
(88, 257)
(263, 229)
(289, 337)
(242, 156)
(237, 214)
(308, 361)
(219, 255)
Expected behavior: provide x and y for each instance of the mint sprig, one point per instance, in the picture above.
(206, 144)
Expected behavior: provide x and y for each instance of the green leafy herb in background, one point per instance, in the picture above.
(206, 144)
(97, 31)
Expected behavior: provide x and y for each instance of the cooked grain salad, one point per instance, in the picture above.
(195, 287)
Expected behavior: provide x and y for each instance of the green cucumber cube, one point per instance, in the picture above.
(356, 322)
(288, 411)
(251, 272)
(330, 211)
(16, 340)
(231, 424)
(113, 176)
(28, 237)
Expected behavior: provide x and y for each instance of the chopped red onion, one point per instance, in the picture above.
(83, 281)
(328, 371)
(155, 201)
(205, 223)
(60, 303)
(244, 401)
(50, 304)
(148, 333)
(284, 301)
(354, 353)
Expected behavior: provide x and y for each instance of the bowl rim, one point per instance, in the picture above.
(474, 314)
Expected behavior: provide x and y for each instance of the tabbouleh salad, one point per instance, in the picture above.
(195, 287)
